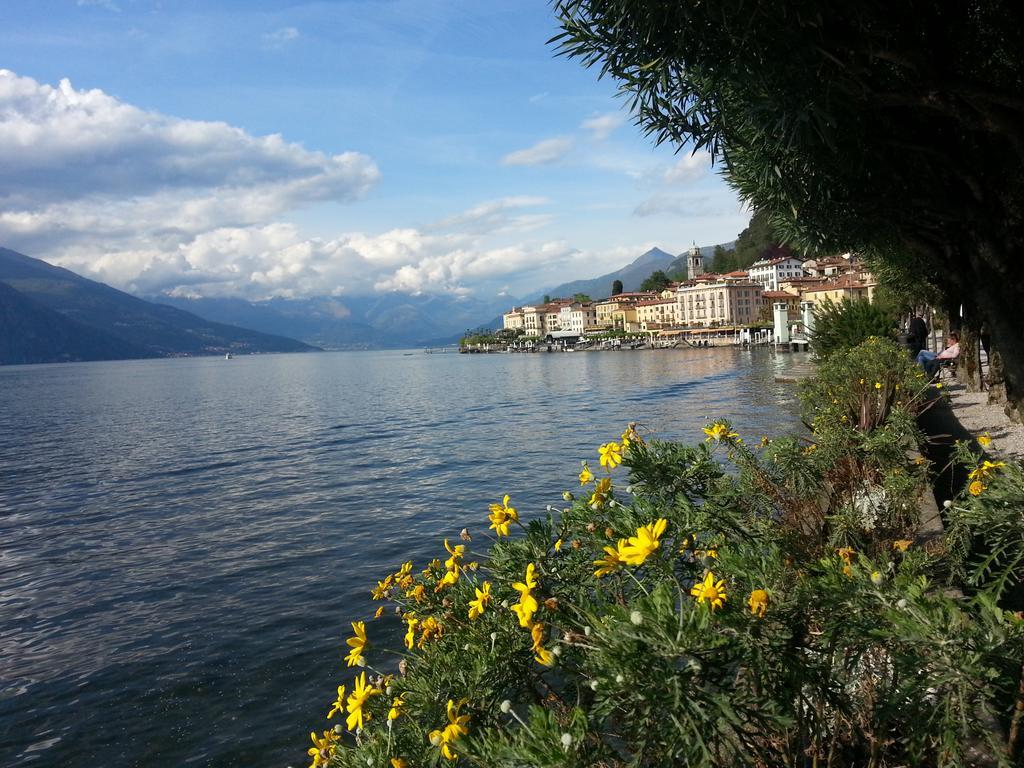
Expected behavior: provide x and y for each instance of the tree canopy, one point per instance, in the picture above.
(657, 281)
(616, 287)
(892, 129)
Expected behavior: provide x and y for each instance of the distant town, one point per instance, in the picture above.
(705, 308)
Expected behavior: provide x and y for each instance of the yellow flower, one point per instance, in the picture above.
(939, 385)
(586, 476)
(986, 469)
(710, 591)
(452, 732)
(483, 597)
(902, 544)
(396, 707)
(878, 385)
(719, 431)
(357, 645)
(558, 545)
(449, 578)
(323, 748)
(418, 593)
(457, 553)
(410, 633)
(765, 440)
(644, 544)
(976, 488)
(540, 654)
(611, 455)
(339, 703)
(527, 605)
(502, 516)
(361, 693)
(381, 590)
(431, 629)
(601, 490)
(379, 612)
(758, 603)
(631, 436)
(985, 440)
(611, 562)
(847, 554)
(399, 762)
(404, 571)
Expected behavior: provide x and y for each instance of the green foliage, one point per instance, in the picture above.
(657, 281)
(486, 336)
(888, 129)
(732, 605)
(581, 298)
(986, 525)
(616, 287)
(849, 323)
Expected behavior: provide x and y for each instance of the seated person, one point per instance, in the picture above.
(931, 361)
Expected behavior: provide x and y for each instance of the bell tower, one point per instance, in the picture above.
(694, 262)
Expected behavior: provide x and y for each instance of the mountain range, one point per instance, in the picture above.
(49, 314)
(632, 275)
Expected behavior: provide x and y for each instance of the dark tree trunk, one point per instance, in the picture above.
(998, 294)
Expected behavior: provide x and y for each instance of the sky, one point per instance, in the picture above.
(255, 149)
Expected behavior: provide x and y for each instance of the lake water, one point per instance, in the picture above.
(183, 542)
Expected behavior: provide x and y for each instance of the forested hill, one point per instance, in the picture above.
(50, 314)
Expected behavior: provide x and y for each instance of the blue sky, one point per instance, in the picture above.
(297, 148)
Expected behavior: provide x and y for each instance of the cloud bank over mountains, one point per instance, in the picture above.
(155, 203)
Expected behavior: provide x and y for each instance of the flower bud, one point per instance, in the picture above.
(566, 741)
(464, 535)
(947, 504)
(901, 603)
(556, 651)
(591, 527)
(339, 729)
(593, 685)
(587, 631)
(506, 706)
(388, 690)
(636, 618)
(435, 739)
(620, 679)
(877, 578)
(609, 533)
(369, 761)
(567, 495)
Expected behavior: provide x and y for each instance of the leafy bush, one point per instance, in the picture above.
(732, 605)
(848, 324)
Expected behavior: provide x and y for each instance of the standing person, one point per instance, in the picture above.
(917, 334)
(931, 361)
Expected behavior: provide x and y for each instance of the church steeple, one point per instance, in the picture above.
(694, 262)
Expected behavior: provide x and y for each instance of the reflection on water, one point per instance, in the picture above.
(182, 542)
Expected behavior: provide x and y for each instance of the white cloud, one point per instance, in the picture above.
(602, 126)
(279, 38)
(544, 152)
(672, 205)
(687, 168)
(497, 216)
(59, 143)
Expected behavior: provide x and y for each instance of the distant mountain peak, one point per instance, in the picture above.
(651, 256)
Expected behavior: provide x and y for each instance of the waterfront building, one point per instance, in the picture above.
(619, 312)
(513, 319)
(791, 300)
(771, 272)
(830, 266)
(849, 286)
(577, 317)
(657, 314)
(722, 301)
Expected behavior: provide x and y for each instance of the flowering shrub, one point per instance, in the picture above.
(709, 605)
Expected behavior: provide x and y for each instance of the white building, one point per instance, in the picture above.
(770, 272)
(513, 319)
(577, 318)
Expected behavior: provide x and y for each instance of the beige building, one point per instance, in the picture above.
(722, 302)
(513, 319)
(657, 314)
(770, 298)
(848, 286)
(619, 312)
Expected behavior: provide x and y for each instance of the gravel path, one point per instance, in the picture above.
(978, 417)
